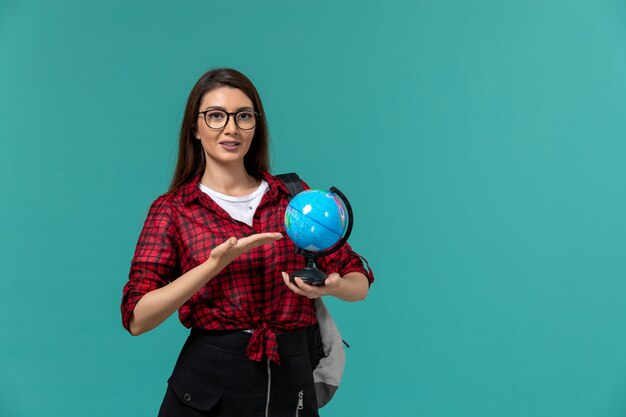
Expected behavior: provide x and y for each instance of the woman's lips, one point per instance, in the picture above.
(230, 146)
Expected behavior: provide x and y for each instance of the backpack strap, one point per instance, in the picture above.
(293, 183)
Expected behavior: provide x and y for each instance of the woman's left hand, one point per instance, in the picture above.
(332, 283)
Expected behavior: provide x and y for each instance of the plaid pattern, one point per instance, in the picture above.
(181, 229)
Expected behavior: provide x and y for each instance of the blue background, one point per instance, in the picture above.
(481, 144)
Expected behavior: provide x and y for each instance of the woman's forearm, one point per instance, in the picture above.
(157, 305)
(352, 287)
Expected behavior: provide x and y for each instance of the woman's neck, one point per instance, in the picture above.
(229, 180)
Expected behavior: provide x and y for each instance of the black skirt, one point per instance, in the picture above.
(214, 377)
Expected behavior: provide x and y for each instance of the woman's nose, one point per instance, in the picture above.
(231, 126)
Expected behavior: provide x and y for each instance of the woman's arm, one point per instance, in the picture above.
(157, 305)
(351, 287)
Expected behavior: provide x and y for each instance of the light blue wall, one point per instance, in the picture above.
(481, 143)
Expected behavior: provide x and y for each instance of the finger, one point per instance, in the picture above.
(296, 289)
(224, 246)
(301, 284)
(258, 239)
(231, 241)
(309, 290)
(331, 281)
(291, 285)
(266, 235)
(286, 278)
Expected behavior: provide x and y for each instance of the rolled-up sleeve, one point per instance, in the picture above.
(344, 261)
(155, 261)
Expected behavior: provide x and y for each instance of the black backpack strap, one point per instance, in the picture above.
(293, 183)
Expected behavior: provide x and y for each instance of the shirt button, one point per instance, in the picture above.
(250, 207)
(187, 397)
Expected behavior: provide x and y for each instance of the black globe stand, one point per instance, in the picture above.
(310, 274)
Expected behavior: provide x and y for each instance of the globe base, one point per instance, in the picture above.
(310, 275)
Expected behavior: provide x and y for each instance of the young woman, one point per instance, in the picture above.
(212, 248)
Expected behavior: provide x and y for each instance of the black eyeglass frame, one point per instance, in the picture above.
(256, 118)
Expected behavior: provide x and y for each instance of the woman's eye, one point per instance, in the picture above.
(245, 115)
(216, 115)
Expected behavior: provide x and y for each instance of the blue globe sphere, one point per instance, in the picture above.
(316, 220)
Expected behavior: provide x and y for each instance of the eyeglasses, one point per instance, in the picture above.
(218, 119)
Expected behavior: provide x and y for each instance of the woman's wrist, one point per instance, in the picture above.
(209, 269)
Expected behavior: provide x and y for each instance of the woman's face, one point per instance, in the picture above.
(227, 145)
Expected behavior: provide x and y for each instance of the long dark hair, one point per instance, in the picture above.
(191, 160)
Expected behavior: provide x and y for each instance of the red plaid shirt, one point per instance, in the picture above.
(181, 229)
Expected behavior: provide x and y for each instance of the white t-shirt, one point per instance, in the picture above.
(239, 208)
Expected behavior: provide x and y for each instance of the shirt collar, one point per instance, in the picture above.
(190, 191)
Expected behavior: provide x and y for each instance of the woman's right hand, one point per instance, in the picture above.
(225, 253)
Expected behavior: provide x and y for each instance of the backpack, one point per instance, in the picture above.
(326, 347)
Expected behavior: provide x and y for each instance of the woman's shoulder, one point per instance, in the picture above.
(162, 206)
(173, 200)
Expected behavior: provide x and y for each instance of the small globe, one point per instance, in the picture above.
(315, 220)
